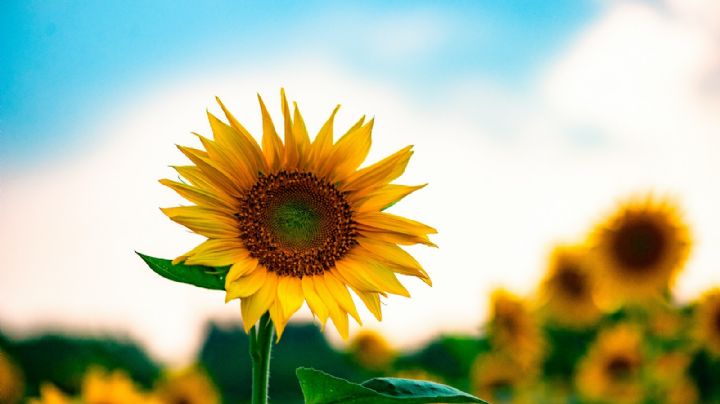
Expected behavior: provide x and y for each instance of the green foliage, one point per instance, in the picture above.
(321, 388)
(198, 275)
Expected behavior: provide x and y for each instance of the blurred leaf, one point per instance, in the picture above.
(322, 388)
(198, 275)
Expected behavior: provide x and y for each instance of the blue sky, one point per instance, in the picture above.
(64, 62)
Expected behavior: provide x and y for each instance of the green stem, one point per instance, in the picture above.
(261, 336)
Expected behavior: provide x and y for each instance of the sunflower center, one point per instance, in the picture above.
(639, 245)
(572, 282)
(296, 224)
(619, 368)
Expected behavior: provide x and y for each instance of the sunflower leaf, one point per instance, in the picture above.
(321, 388)
(198, 275)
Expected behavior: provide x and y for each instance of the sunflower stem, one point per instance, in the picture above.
(261, 336)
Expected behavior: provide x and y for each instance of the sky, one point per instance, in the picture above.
(530, 122)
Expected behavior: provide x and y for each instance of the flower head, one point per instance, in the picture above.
(496, 377)
(707, 321)
(371, 350)
(514, 331)
(640, 249)
(187, 386)
(116, 387)
(568, 289)
(298, 221)
(11, 380)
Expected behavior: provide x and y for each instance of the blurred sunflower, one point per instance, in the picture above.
(640, 249)
(514, 330)
(498, 378)
(670, 379)
(102, 387)
(188, 386)
(50, 394)
(371, 350)
(568, 289)
(707, 321)
(298, 221)
(11, 381)
(612, 370)
(665, 321)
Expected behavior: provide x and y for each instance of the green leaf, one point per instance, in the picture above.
(321, 388)
(198, 275)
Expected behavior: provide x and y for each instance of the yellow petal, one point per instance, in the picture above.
(338, 316)
(390, 222)
(216, 253)
(290, 295)
(199, 196)
(377, 274)
(300, 131)
(241, 268)
(272, 145)
(341, 295)
(350, 151)
(255, 305)
(238, 145)
(393, 237)
(348, 269)
(386, 196)
(208, 225)
(278, 319)
(380, 173)
(396, 257)
(372, 302)
(322, 145)
(214, 177)
(314, 302)
(292, 152)
(230, 165)
(246, 286)
(248, 139)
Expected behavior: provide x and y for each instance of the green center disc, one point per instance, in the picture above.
(295, 223)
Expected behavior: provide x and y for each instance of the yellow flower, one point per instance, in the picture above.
(497, 378)
(371, 350)
(50, 394)
(640, 249)
(666, 321)
(568, 290)
(101, 387)
(707, 321)
(671, 382)
(298, 221)
(612, 370)
(11, 381)
(514, 330)
(188, 386)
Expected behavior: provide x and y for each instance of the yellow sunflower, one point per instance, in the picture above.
(514, 330)
(612, 370)
(640, 249)
(498, 378)
(670, 380)
(567, 292)
(188, 386)
(371, 350)
(102, 387)
(707, 321)
(50, 394)
(11, 381)
(298, 221)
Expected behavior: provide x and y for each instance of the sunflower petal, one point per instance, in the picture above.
(386, 196)
(247, 137)
(372, 302)
(313, 300)
(272, 145)
(341, 294)
(210, 225)
(337, 314)
(241, 268)
(216, 253)
(382, 278)
(199, 196)
(350, 151)
(292, 152)
(239, 146)
(278, 319)
(300, 130)
(255, 305)
(290, 295)
(322, 145)
(378, 174)
(349, 271)
(396, 257)
(246, 286)
(213, 176)
(232, 166)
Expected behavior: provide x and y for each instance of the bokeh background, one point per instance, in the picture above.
(529, 119)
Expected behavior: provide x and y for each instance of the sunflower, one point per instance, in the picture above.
(371, 350)
(188, 386)
(640, 249)
(568, 291)
(498, 378)
(298, 221)
(102, 387)
(514, 330)
(11, 381)
(707, 321)
(50, 394)
(612, 370)
(670, 380)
